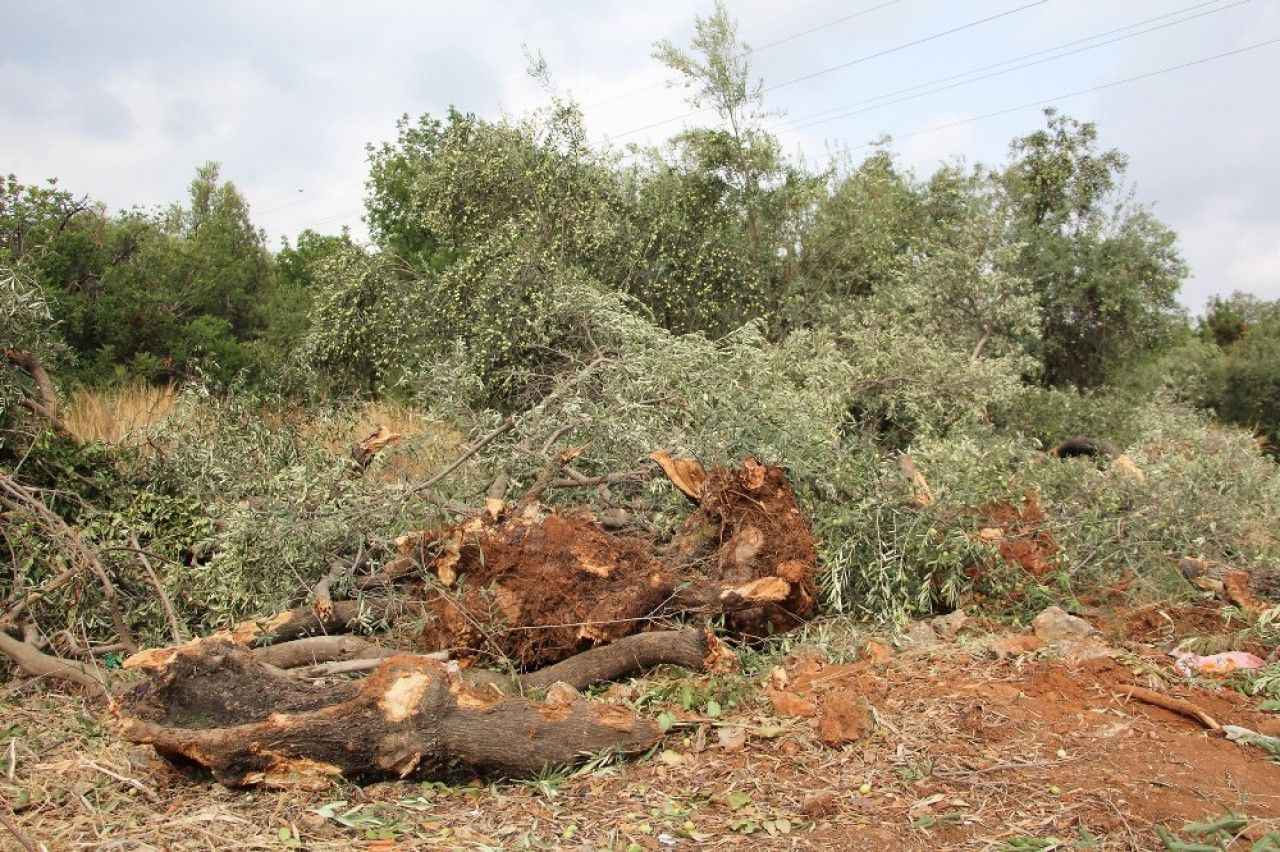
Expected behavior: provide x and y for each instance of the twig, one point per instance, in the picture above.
(506, 426)
(574, 479)
(12, 826)
(503, 428)
(1177, 705)
(22, 499)
(165, 603)
(322, 599)
(132, 782)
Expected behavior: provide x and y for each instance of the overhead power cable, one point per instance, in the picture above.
(890, 98)
(850, 63)
(1101, 87)
(750, 51)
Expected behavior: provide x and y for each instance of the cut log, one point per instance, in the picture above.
(213, 704)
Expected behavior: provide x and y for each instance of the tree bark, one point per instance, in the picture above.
(305, 621)
(626, 656)
(320, 649)
(212, 703)
(36, 663)
(46, 405)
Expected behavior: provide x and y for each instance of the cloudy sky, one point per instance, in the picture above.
(122, 100)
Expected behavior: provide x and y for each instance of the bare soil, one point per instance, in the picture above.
(944, 747)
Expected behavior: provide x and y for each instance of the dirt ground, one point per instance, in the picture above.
(950, 747)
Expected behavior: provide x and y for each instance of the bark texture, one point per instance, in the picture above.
(212, 703)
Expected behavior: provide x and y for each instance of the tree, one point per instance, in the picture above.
(1106, 273)
(740, 160)
(859, 239)
(960, 280)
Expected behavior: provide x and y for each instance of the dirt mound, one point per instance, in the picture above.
(1017, 533)
(749, 527)
(535, 587)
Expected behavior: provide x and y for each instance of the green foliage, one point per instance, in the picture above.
(1244, 386)
(863, 229)
(1106, 275)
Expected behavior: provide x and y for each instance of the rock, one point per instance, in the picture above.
(790, 704)
(1053, 624)
(562, 694)
(947, 626)
(921, 635)
(845, 718)
(732, 739)
(1083, 650)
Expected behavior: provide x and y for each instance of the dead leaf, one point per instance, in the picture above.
(688, 475)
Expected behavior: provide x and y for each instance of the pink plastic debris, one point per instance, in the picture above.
(1189, 664)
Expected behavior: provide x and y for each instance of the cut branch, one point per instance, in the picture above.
(296, 623)
(170, 615)
(39, 664)
(322, 598)
(320, 649)
(626, 656)
(1176, 705)
(29, 362)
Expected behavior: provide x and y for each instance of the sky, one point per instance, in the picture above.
(122, 101)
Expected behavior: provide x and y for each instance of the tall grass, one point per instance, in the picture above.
(119, 416)
(126, 416)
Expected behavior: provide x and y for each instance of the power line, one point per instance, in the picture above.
(851, 62)
(816, 118)
(918, 41)
(787, 39)
(1148, 75)
(825, 112)
(750, 51)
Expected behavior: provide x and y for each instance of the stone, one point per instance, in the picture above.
(1053, 624)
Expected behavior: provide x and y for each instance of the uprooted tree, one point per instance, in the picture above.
(563, 597)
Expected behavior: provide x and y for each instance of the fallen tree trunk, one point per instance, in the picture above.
(215, 703)
(630, 654)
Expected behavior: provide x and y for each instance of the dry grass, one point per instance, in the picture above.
(119, 416)
(126, 416)
(425, 445)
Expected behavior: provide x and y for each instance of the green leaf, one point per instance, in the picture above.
(665, 721)
(737, 800)
(713, 708)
